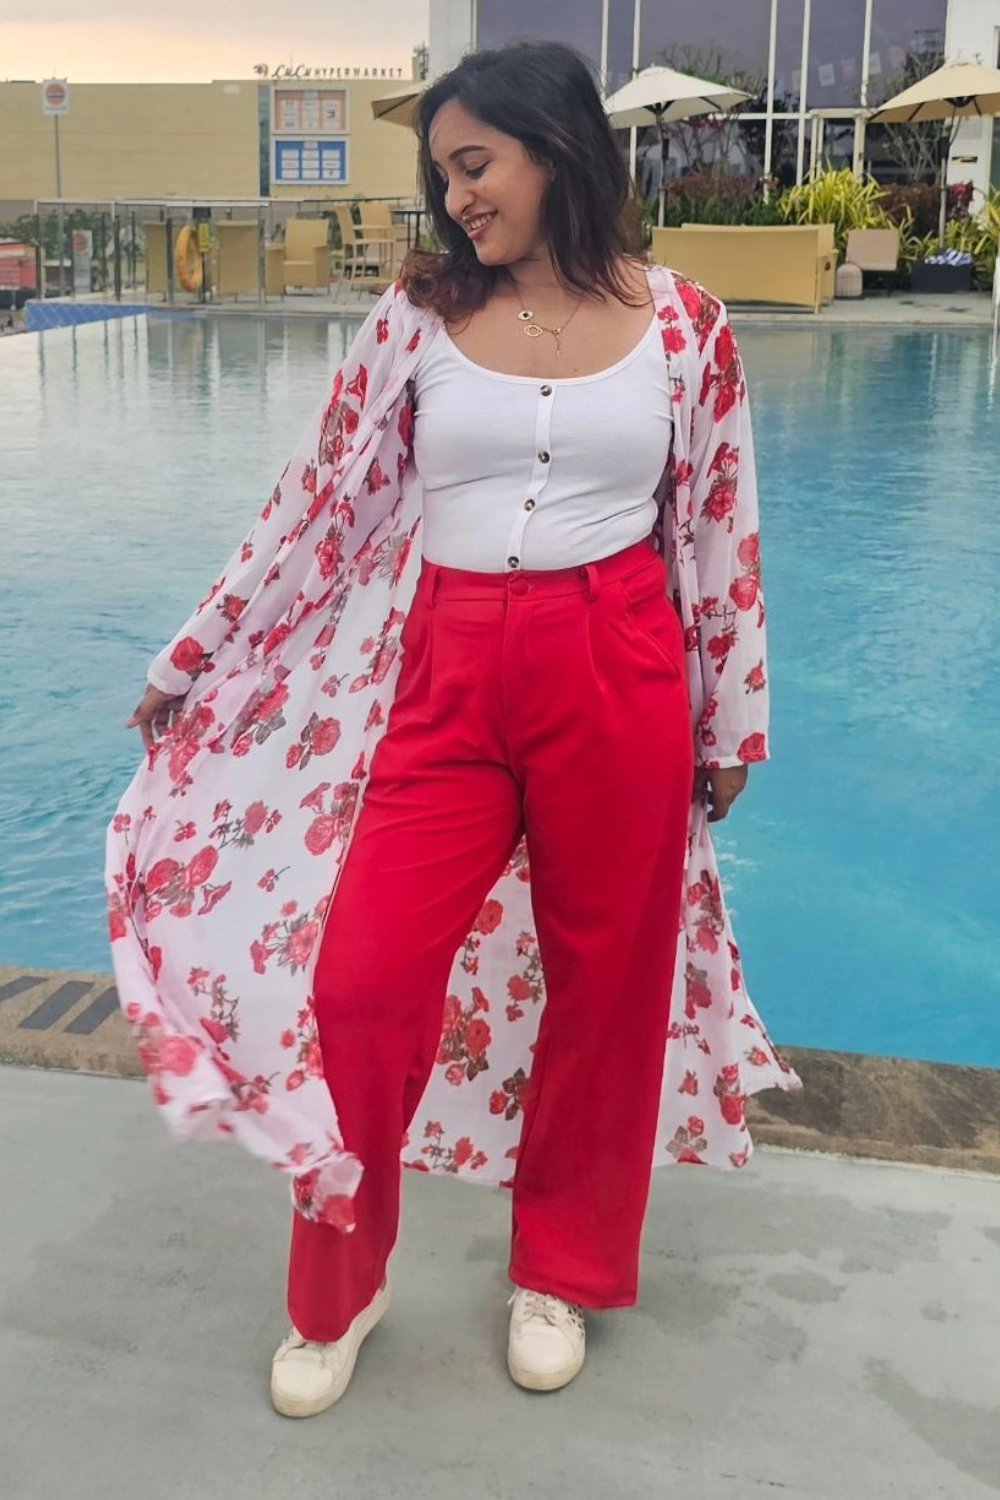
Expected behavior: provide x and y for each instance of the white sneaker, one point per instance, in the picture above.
(547, 1341)
(307, 1377)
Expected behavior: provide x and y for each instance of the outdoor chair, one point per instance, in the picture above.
(377, 224)
(820, 235)
(875, 251)
(748, 263)
(307, 254)
(238, 259)
(155, 236)
(367, 258)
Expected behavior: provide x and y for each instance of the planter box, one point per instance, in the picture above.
(942, 278)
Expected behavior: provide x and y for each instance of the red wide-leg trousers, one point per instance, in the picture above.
(552, 704)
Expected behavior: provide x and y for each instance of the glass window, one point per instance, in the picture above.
(836, 39)
(619, 43)
(687, 36)
(907, 41)
(788, 56)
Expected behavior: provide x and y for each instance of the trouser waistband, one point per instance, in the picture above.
(586, 578)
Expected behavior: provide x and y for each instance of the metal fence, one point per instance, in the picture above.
(88, 247)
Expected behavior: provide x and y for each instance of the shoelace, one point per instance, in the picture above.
(551, 1308)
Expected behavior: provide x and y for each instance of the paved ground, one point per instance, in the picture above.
(809, 1327)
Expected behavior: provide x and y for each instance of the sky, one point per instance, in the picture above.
(101, 41)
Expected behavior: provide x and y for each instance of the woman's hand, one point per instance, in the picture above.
(154, 715)
(719, 789)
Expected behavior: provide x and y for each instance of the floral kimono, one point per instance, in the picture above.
(224, 854)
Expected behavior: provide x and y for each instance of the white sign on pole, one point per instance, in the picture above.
(55, 97)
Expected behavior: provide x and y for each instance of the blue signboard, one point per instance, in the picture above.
(310, 161)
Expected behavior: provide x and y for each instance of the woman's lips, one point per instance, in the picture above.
(476, 227)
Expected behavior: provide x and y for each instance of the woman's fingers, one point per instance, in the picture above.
(719, 789)
(719, 805)
(154, 717)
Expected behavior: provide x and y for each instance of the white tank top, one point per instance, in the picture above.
(527, 473)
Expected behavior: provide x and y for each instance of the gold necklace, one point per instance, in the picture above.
(534, 330)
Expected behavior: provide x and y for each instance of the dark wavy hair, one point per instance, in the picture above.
(544, 95)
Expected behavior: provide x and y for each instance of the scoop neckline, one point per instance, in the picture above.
(555, 380)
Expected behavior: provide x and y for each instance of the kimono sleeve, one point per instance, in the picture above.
(262, 579)
(733, 726)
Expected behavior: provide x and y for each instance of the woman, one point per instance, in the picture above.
(562, 432)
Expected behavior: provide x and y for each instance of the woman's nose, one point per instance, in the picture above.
(458, 200)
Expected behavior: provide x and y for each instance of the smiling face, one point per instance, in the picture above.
(493, 187)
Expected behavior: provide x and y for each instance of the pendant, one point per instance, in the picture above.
(525, 315)
(532, 331)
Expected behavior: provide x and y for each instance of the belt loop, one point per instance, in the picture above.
(593, 579)
(434, 574)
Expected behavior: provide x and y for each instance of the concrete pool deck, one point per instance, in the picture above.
(809, 1327)
(935, 1114)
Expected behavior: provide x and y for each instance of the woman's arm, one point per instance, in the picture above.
(732, 730)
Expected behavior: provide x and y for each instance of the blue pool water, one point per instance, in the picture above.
(133, 457)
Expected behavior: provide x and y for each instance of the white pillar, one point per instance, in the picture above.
(605, 26)
(800, 155)
(633, 138)
(816, 145)
(772, 53)
(860, 120)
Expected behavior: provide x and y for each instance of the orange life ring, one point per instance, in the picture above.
(187, 260)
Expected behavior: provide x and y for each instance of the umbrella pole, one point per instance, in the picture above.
(663, 167)
(948, 133)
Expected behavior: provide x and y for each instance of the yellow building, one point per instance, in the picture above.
(238, 139)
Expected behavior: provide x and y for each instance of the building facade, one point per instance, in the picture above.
(816, 66)
(239, 139)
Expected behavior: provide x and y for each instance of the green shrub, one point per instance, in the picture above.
(849, 202)
(838, 198)
(703, 198)
(977, 236)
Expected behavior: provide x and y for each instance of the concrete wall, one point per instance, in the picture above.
(973, 34)
(178, 140)
(132, 141)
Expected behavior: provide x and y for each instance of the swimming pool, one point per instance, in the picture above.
(859, 864)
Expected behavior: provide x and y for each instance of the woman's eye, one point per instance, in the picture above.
(477, 171)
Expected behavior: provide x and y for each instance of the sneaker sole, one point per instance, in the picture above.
(369, 1318)
(550, 1380)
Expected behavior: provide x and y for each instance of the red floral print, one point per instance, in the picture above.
(189, 656)
(465, 1039)
(265, 782)
(752, 748)
(726, 378)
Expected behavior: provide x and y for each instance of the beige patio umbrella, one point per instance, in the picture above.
(658, 96)
(401, 107)
(958, 91)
